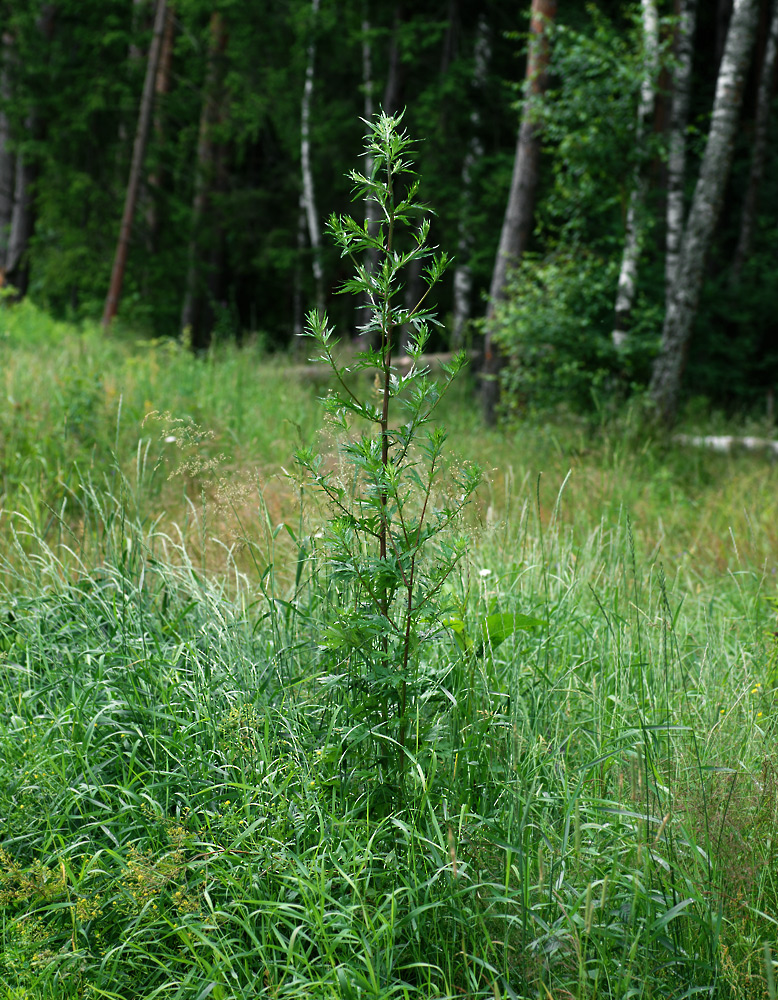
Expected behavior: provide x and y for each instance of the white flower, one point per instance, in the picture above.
(484, 572)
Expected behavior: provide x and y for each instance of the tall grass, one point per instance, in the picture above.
(593, 808)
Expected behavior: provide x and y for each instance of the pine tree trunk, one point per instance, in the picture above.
(679, 117)
(625, 296)
(309, 195)
(20, 172)
(668, 367)
(759, 155)
(463, 275)
(7, 157)
(133, 185)
(196, 317)
(519, 213)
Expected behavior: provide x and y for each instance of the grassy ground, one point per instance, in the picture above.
(593, 810)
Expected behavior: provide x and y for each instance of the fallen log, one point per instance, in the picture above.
(728, 443)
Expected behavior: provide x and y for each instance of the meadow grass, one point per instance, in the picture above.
(593, 805)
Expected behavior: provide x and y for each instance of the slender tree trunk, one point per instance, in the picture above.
(138, 151)
(161, 89)
(297, 281)
(363, 337)
(519, 213)
(18, 169)
(625, 296)
(686, 11)
(7, 156)
(668, 368)
(723, 14)
(392, 101)
(463, 274)
(759, 154)
(309, 195)
(195, 313)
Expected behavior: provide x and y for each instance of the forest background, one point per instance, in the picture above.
(254, 121)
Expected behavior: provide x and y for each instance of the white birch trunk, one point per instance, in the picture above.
(363, 334)
(759, 155)
(463, 274)
(520, 210)
(309, 197)
(664, 389)
(297, 285)
(676, 160)
(625, 295)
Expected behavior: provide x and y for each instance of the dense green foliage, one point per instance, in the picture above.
(74, 72)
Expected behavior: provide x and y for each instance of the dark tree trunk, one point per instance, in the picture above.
(759, 154)
(665, 386)
(197, 311)
(392, 102)
(7, 156)
(133, 185)
(519, 213)
(161, 88)
(19, 171)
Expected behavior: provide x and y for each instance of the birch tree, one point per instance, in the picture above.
(463, 274)
(625, 295)
(519, 212)
(668, 367)
(759, 154)
(133, 184)
(679, 117)
(309, 195)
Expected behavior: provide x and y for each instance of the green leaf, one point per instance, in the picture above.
(498, 627)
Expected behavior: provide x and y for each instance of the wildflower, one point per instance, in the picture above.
(484, 572)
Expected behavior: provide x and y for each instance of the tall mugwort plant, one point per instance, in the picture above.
(388, 540)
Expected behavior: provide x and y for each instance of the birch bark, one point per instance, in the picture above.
(759, 154)
(664, 388)
(463, 274)
(309, 195)
(519, 213)
(364, 335)
(679, 118)
(625, 295)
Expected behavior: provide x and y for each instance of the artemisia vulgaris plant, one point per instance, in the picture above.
(389, 546)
